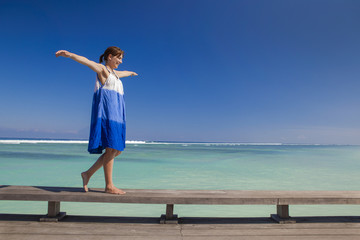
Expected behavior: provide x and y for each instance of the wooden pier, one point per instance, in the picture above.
(15, 226)
(282, 199)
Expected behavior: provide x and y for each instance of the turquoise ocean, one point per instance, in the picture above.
(160, 165)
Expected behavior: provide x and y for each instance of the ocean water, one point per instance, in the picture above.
(183, 166)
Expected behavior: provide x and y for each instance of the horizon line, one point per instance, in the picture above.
(85, 141)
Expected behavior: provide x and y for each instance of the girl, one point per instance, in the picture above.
(107, 129)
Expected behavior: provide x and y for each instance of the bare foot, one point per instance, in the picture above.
(85, 181)
(114, 190)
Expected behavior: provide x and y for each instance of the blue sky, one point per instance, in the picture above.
(209, 70)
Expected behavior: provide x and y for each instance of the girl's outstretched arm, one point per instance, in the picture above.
(96, 67)
(122, 74)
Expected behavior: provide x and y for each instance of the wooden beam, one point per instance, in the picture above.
(283, 211)
(54, 213)
(53, 208)
(282, 215)
(169, 211)
(169, 217)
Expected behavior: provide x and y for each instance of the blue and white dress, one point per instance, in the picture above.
(108, 127)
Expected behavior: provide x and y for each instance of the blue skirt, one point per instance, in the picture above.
(108, 122)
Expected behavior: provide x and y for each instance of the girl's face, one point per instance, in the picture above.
(114, 61)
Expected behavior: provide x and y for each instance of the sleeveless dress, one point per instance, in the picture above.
(108, 127)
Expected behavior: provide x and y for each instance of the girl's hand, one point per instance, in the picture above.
(63, 53)
(133, 74)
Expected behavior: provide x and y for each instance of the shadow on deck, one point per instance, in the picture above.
(183, 220)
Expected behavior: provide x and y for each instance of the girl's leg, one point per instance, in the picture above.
(87, 175)
(108, 169)
(106, 160)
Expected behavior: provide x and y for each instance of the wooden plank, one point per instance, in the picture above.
(264, 232)
(134, 196)
(268, 225)
(224, 197)
(90, 237)
(260, 193)
(319, 200)
(97, 230)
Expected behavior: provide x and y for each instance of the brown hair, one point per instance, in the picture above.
(115, 51)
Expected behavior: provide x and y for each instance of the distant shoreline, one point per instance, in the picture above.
(83, 141)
